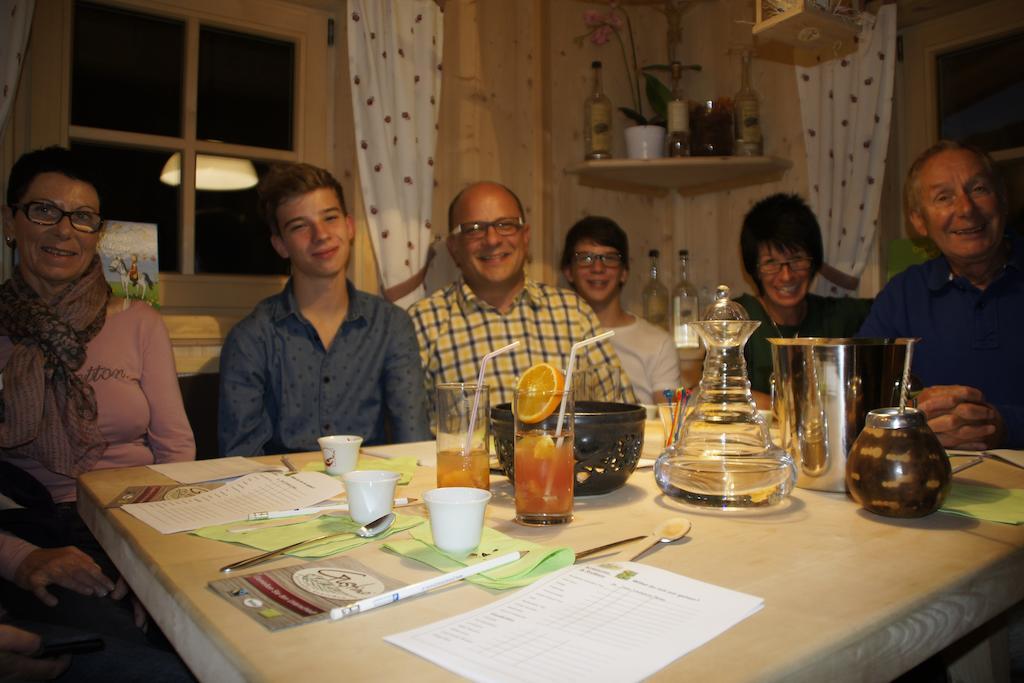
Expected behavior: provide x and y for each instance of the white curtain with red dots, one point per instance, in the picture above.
(394, 51)
(15, 22)
(846, 106)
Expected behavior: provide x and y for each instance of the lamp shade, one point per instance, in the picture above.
(214, 173)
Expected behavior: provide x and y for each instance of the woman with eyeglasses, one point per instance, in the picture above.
(85, 383)
(595, 262)
(782, 252)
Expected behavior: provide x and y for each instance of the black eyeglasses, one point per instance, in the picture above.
(475, 230)
(44, 213)
(589, 258)
(796, 265)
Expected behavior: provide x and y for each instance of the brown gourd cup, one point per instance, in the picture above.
(897, 467)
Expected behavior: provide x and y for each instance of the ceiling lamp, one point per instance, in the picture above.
(213, 173)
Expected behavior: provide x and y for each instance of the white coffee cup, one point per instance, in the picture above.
(341, 453)
(371, 493)
(456, 517)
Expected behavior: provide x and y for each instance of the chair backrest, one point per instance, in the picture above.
(200, 392)
(906, 252)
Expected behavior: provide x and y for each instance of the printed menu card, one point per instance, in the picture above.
(302, 593)
(235, 501)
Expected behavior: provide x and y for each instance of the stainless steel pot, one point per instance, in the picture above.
(823, 390)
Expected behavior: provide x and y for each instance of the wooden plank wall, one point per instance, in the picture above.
(512, 111)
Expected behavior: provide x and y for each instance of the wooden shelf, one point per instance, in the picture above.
(808, 28)
(688, 175)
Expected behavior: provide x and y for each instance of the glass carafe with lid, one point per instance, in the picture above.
(725, 457)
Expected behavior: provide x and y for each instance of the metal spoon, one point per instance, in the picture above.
(668, 531)
(377, 526)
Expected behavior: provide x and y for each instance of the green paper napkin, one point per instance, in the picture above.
(278, 537)
(986, 502)
(405, 465)
(539, 562)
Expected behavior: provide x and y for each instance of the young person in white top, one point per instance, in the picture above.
(595, 261)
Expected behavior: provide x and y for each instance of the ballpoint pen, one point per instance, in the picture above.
(424, 586)
(298, 512)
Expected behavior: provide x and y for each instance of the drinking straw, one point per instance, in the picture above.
(684, 401)
(670, 402)
(682, 398)
(672, 420)
(479, 387)
(906, 374)
(568, 376)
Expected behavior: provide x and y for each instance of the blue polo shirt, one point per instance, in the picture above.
(280, 389)
(969, 336)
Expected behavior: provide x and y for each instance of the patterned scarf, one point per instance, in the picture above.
(46, 411)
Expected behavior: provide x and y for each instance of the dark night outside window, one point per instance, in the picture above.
(127, 71)
(127, 194)
(981, 94)
(245, 89)
(128, 75)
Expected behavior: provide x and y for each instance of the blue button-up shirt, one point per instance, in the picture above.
(969, 336)
(280, 389)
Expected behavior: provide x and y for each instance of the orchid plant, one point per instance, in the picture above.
(602, 27)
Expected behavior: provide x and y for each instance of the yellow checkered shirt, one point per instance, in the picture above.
(456, 329)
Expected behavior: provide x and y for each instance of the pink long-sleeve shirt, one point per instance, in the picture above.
(12, 551)
(130, 366)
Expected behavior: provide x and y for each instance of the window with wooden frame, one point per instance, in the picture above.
(185, 104)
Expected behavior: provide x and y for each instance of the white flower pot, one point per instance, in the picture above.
(645, 142)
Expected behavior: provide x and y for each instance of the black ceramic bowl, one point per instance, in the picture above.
(609, 438)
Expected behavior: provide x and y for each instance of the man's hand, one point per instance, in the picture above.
(962, 418)
(16, 662)
(68, 567)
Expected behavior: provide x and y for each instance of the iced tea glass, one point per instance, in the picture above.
(544, 462)
(455, 465)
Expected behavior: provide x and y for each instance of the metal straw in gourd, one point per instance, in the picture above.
(904, 390)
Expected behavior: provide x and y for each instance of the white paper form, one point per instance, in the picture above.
(215, 469)
(236, 500)
(612, 622)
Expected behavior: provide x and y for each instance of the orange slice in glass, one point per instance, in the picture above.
(540, 392)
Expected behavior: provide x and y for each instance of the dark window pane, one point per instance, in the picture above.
(231, 236)
(981, 94)
(131, 191)
(1012, 171)
(246, 88)
(127, 71)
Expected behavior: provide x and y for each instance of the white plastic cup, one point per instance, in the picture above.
(457, 517)
(341, 453)
(645, 142)
(371, 494)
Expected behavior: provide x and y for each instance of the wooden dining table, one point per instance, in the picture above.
(848, 595)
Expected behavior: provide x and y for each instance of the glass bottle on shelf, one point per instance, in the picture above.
(655, 296)
(685, 307)
(747, 114)
(711, 128)
(678, 140)
(597, 120)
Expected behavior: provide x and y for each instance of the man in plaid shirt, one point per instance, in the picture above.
(494, 303)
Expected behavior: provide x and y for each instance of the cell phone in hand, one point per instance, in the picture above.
(69, 646)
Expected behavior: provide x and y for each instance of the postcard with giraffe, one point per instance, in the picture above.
(129, 255)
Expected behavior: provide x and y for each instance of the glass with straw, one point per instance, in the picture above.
(457, 463)
(544, 439)
(463, 443)
(544, 459)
